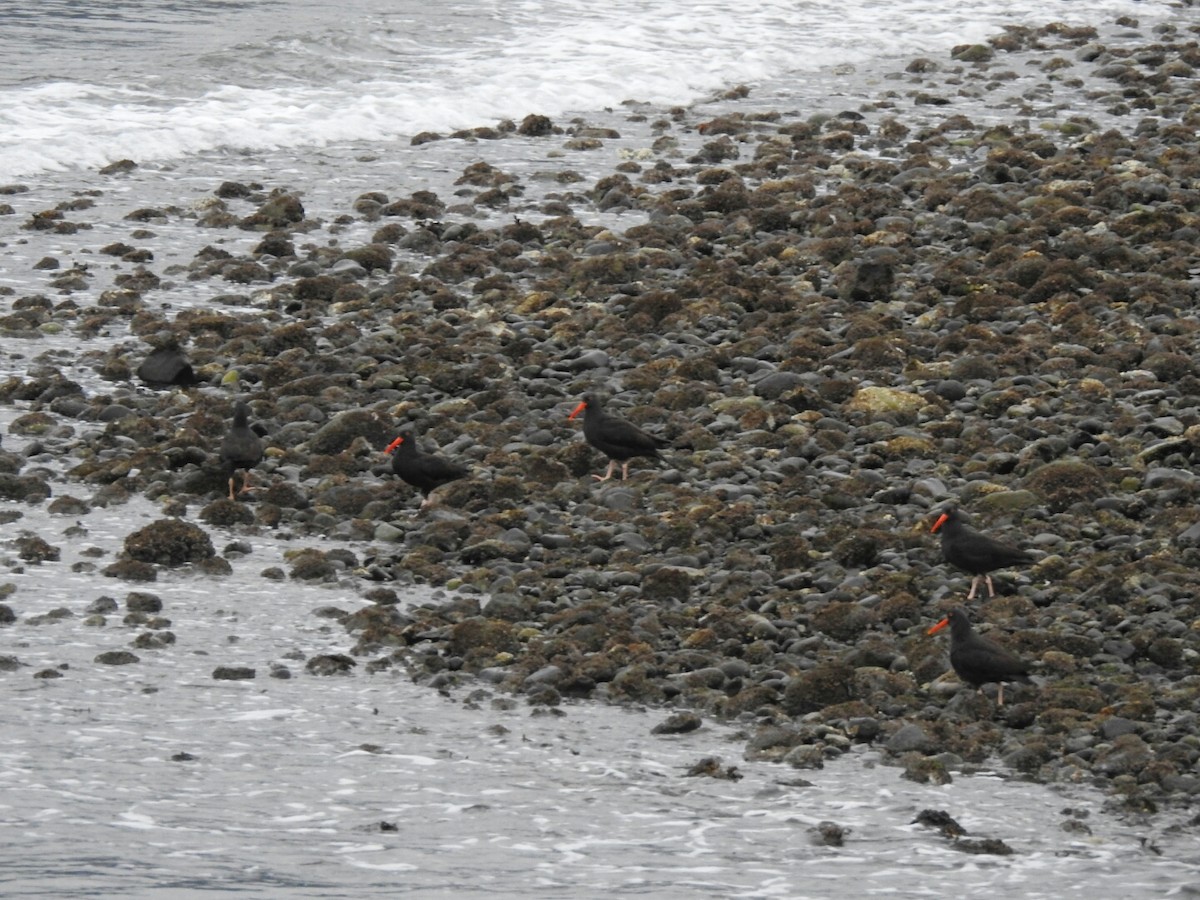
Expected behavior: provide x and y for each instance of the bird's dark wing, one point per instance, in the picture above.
(982, 661)
(440, 470)
(242, 448)
(425, 471)
(975, 552)
(622, 439)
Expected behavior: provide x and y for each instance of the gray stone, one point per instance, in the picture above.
(910, 737)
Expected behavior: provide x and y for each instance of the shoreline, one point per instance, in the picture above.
(852, 318)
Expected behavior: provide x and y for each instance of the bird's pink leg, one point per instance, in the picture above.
(974, 584)
(612, 464)
(625, 470)
(991, 590)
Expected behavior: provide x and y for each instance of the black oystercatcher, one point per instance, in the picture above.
(978, 660)
(424, 471)
(615, 437)
(971, 551)
(242, 448)
(168, 366)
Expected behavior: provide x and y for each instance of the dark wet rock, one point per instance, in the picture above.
(135, 601)
(975, 53)
(495, 548)
(131, 570)
(908, 738)
(7, 616)
(279, 211)
(989, 846)
(667, 584)
(51, 616)
(347, 499)
(169, 542)
(678, 723)
(284, 495)
(68, 506)
(425, 137)
(824, 685)
(277, 244)
(119, 167)
(331, 612)
(234, 673)
(1127, 754)
(11, 463)
(153, 640)
(828, 834)
(480, 637)
(772, 742)
(711, 767)
(149, 620)
(330, 664)
(371, 257)
(1064, 483)
(422, 205)
(535, 126)
(924, 769)
(311, 565)
(870, 279)
(941, 820)
(806, 756)
(245, 272)
(224, 513)
(1115, 726)
(342, 430)
(24, 488)
(844, 621)
(864, 729)
(32, 548)
(316, 287)
(234, 190)
(103, 605)
(117, 658)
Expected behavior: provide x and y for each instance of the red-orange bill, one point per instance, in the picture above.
(939, 523)
(393, 445)
(939, 626)
(580, 408)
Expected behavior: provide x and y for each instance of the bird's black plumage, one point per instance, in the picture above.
(979, 660)
(168, 366)
(242, 448)
(424, 471)
(974, 552)
(618, 439)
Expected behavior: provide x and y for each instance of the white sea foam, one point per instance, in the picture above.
(371, 71)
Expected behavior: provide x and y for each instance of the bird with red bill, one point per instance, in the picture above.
(974, 552)
(424, 471)
(979, 660)
(617, 438)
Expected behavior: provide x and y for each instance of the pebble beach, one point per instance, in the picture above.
(969, 278)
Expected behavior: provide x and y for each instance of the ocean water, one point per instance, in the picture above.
(154, 779)
(87, 83)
